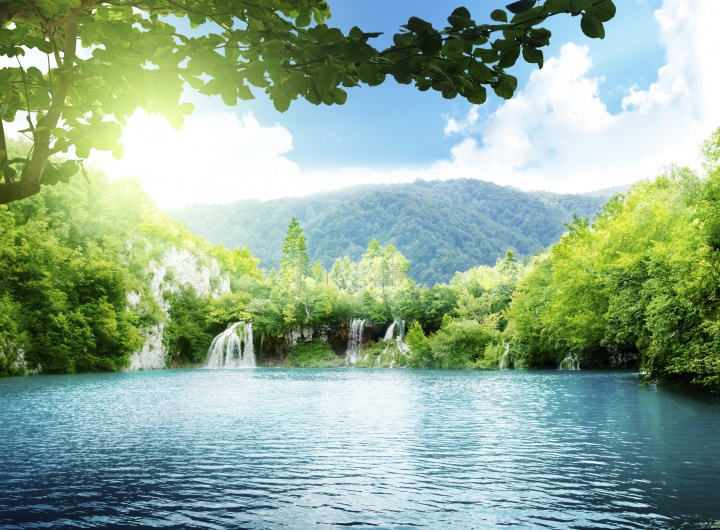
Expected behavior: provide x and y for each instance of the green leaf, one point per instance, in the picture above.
(429, 43)
(533, 55)
(117, 31)
(602, 11)
(417, 25)
(244, 92)
(118, 151)
(229, 95)
(51, 175)
(339, 96)
(461, 12)
(506, 86)
(36, 42)
(458, 22)
(403, 39)
(499, 16)
(194, 82)
(327, 77)
(541, 34)
(480, 72)
(488, 56)
(479, 95)
(186, 108)
(592, 27)
(34, 72)
(575, 6)
(368, 74)
(281, 101)
(68, 169)
(401, 71)
(304, 18)
(509, 56)
(453, 49)
(416, 65)
(520, 6)
(106, 134)
(82, 148)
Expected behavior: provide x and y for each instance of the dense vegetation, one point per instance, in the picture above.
(77, 259)
(70, 257)
(637, 286)
(440, 226)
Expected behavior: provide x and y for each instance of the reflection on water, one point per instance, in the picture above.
(369, 448)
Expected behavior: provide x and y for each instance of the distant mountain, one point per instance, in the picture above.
(440, 226)
(608, 192)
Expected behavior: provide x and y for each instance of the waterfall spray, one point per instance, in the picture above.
(355, 341)
(233, 348)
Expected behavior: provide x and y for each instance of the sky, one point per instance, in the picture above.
(601, 113)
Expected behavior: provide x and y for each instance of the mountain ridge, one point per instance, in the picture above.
(441, 226)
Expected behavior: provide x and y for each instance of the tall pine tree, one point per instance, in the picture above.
(295, 263)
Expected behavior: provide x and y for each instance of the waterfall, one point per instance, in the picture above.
(233, 348)
(390, 331)
(571, 362)
(355, 341)
(398, 335)
(505, 361)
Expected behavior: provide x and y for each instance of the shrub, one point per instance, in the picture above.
(315, 354)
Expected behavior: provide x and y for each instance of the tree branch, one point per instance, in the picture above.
(17, 191)
(3, 151)
(41, 138)
(72, 16)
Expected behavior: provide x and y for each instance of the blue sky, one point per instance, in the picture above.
(601, 113)
(398, 125)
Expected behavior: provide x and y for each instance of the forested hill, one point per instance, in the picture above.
(440, 226)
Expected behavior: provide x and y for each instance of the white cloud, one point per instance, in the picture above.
(465, 126)
(558, 135)
(214, 158)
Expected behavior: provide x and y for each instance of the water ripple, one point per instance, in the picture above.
(368, 449)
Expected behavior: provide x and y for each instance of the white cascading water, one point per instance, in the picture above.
(398, 335)
(397, 331)
(233, 348)
(355, 341)
(390, 331)
(571, 362)
(505, 361)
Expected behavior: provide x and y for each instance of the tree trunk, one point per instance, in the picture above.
(16, 191)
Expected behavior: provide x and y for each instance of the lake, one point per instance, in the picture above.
(269, 448)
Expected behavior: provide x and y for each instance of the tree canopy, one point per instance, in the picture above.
(108, 58)
(441, 227)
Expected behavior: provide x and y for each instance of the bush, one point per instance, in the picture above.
(459, 343)
(421, 355)
(491, 357)
(315, 354)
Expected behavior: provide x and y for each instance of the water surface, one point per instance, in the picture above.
(367, 448)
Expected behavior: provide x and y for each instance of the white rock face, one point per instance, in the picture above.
(133, 299)
(152, 355)
(306, 334)
(12, 351)
(178, 268)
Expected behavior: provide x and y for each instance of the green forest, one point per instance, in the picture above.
(88, 274)
(440, 226)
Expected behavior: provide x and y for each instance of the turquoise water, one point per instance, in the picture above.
(366, 448)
